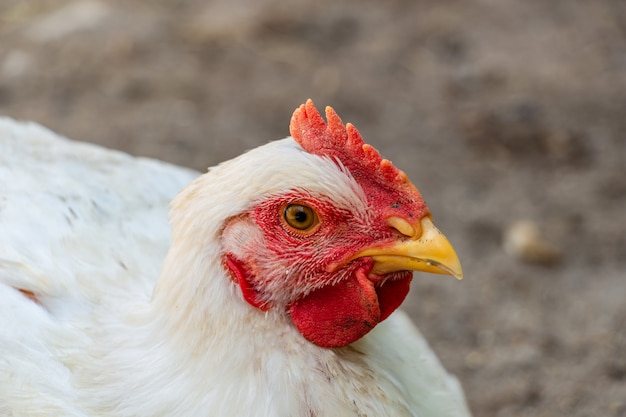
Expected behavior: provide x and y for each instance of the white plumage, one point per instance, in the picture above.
(119, 328)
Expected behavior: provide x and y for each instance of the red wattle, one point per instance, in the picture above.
(337, 315)
(392, 293)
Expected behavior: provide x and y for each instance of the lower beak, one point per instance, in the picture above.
(429, 251)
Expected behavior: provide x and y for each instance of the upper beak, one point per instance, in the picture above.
(425, 249)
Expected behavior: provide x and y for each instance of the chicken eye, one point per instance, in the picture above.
(301, 218)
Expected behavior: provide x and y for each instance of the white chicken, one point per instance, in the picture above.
(274, 295)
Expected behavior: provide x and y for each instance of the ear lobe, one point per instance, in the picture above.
(242, 274)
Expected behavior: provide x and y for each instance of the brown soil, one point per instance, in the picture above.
(510, 116)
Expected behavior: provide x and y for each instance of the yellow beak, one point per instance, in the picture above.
(425, 250)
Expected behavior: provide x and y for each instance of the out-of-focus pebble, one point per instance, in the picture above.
(523, 240)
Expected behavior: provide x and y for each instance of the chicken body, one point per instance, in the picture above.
(102, 312)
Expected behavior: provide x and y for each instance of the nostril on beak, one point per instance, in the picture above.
(402, 226)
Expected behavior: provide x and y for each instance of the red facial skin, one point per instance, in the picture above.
(292, 270)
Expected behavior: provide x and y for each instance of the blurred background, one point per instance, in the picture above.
(510, 117)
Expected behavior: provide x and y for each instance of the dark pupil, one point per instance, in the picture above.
(300, 216)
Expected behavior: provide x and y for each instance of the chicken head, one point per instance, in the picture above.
(335, 255)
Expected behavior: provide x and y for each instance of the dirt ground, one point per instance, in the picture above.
(510, 116)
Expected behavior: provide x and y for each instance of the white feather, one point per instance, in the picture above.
(124, 330)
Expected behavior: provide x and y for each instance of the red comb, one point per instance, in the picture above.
(340, 142)
(345, 144)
